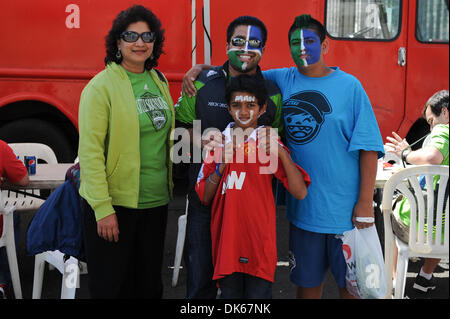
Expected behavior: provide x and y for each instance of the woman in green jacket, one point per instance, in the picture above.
(126, 117)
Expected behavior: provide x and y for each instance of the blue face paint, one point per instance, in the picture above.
(254, 33)
(305, 42)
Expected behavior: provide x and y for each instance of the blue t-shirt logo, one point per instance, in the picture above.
(304, 114)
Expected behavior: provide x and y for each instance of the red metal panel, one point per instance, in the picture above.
(427, 71)
(42, 44)
(375, 64)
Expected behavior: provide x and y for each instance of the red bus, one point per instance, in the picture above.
(398, 49)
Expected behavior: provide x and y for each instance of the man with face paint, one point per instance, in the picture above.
(332, 133)
(245, 49)
(246, 38)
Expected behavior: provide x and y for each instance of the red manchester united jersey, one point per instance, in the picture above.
(243, 221)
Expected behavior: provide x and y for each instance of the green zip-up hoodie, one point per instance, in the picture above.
(109, 140)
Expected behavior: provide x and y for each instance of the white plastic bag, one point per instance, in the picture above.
(366, 275)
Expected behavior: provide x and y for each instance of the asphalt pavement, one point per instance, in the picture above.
(282, 288)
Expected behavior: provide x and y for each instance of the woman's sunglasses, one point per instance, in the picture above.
(252, 43)
(131, 36)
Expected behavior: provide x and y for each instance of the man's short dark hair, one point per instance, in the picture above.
(307, 22)
(246, 20)
(250, 84)
(436, 102)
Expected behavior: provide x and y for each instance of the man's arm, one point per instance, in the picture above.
(14, 170)
(368, 173)
(24, 181)
(425, 155)
(185, 110)
(188, 86)
(277, 121)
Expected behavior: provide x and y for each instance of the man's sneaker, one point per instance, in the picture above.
(423, 285)
(2, 292)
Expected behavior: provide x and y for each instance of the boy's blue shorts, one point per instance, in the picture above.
(310, 256)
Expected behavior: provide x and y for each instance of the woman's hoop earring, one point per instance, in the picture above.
(119, 55)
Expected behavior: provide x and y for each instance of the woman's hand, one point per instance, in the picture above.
(108, 228)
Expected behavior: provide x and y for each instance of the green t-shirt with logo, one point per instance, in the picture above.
(154, 126)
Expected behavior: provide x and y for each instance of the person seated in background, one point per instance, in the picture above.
(436, 152)
(12, 170)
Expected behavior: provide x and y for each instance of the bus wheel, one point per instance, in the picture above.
(39, 131)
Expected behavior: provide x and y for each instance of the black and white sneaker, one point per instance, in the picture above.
(2, 292)
(423, 285)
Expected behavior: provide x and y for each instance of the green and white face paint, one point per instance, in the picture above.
(240, 46)
(305, 47)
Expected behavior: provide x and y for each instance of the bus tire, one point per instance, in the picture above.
(39, 131)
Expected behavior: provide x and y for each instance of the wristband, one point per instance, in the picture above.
(365, 219)
(217, 170)
(211, 181)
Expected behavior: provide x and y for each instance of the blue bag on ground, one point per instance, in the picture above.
(366, 274)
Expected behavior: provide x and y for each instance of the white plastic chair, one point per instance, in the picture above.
(7, 240)
(420, 244)
(182, 221)
(41, 151)
(71, 269)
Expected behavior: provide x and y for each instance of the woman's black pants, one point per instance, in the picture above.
(130, 268)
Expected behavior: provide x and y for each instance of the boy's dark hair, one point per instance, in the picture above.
(246, 20)
(246, 83)
(436, 102)
(122, 21)
(305, 21)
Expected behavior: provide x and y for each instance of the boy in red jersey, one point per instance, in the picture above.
(237, 179)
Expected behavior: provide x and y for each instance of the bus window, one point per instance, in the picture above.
(432, 21)
(363, 19)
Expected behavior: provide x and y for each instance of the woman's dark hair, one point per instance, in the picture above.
(246, 20)
(252, 84)
(437, 102)
(123, 20)
(305, 21)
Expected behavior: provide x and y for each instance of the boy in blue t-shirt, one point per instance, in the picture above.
(332, 133)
